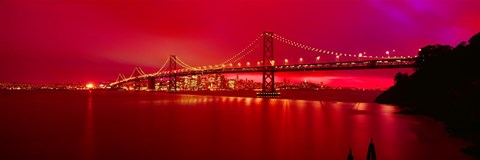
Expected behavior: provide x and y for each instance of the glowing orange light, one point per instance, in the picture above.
(90, 86)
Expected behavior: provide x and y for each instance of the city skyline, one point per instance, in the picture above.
(56, 41)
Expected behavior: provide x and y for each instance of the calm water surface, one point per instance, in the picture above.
(142, 125)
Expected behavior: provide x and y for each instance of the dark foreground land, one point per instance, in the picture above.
(445, 86)
(343, 95)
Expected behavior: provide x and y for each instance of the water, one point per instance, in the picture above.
(142, 125)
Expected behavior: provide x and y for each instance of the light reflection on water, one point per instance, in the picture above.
(140, 125)
(88, 136)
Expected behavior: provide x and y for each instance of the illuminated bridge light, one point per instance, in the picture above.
(186, 69)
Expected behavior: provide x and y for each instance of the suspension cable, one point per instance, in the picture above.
(244, 49)
(135, 70)
(163, 66)
(183, 64)
(309, 48)
(250, 51)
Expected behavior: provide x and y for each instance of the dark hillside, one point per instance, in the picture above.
(445, 86)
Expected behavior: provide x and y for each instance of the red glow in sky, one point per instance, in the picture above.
(66, 41)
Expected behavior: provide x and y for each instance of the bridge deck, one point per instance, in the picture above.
(351, 65)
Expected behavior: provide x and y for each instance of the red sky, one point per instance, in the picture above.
(44, 41)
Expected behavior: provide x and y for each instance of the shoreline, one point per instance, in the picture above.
(320, 95)
(453, 130)
(339, 95)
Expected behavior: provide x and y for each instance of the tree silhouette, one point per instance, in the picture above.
(445, 86)
(400, 77)
(431, 53)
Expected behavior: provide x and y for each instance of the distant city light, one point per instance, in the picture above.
(90, 85)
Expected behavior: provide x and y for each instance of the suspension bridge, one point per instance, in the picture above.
(265, 64)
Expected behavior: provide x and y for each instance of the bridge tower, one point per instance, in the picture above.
(137, 84)
(172, 80)
(119, 78)
(268, 64)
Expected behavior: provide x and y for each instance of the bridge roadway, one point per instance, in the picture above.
(349, 65)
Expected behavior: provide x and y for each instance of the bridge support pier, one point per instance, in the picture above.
(151, 84)
(268, 64)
